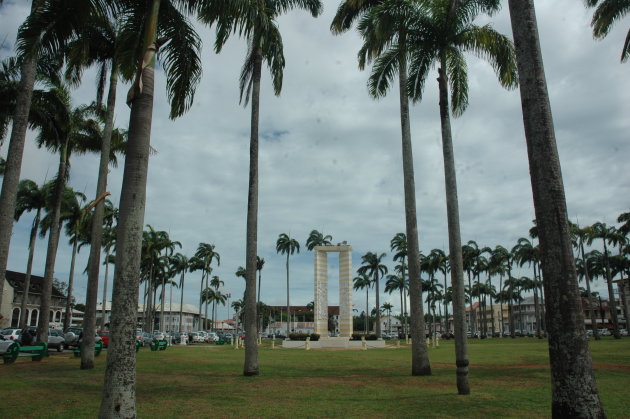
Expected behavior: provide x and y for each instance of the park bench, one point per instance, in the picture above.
(98, 347)
(12, 350)
(159, 345)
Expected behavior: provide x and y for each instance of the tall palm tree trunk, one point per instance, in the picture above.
(94, 261)
(574, 392)
(378, 305)
(203, 275)
(501, 326)
(104, 304)
(611, 294)
(206, 300)
(53, 244)
(11, 177)
(119, 396)
(367, 311)
(454, 239)
(536, 304)
(162, 303)
(148, 315)
(181, 303)
(170, 307)
(260, 317)
(250, 366)
(68, 318)
(419, 355)
(446, 329)
(29, 269)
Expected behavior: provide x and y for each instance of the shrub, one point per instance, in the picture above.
(358, 336)
(303, 336)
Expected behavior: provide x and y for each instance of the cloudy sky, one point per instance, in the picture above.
(330, 155)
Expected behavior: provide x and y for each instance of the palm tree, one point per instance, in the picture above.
(398, 244)
(383, 27)
(76, 227)
(63, 130)
(525, 252)
(388, 307)
(260, 264)
(216, 283)
(372, 266)
(397, 283)
(609, 236)
(97, 45)
(30, 197)
(31, 45)
(581, 235)
(470, 253)
(204, 257)
(286, 245)
(606, 14)
(315, 238)
(500, 259)
(179, 265)
(574, 392)
(145, 23)
(108, 242)
(257, 23)
(441, 33)
(364, 281)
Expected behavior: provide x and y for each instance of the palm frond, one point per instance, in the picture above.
(246, 78)
(607, 13)
(457, 72)
(384, 71)
(273, 54)
(180, 58)
(423, 58)
(497, 49)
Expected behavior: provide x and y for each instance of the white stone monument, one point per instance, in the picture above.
(345, 289)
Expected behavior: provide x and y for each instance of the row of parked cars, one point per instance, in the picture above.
(57, 339)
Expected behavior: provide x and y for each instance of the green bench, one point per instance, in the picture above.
(221, 341)
(138, 345)
(14, 351)
(159, 345)
(98, 347)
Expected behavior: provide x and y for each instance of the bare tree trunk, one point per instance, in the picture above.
(29, 269)
(181, 302)
(454, 239)
(591, 304)
(574, 392)
(536, 304)
(94, 262)
(68, 318)
(119, 394)
(611, 295)
(104, 305)
(53, 244)
(11, 177)
(250, 366)
(420, 364)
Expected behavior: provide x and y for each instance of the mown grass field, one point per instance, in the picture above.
(509, 378)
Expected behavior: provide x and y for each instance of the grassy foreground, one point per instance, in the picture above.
(509, 378)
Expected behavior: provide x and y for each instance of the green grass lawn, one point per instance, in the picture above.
(508, 378)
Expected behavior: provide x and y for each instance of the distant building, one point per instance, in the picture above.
(190, 316)
(12, 301)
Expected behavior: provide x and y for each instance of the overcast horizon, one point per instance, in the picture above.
(330, 156)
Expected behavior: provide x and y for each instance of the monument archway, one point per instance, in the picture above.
(345, 289)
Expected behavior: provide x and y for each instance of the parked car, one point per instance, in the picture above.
(56, 338)
(104, 334)
(159, 335)
(212, 337)
(74, 334)
(11, 334)
(623, 332)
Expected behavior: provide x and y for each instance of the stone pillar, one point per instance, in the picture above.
(345, 293)
(321, 293)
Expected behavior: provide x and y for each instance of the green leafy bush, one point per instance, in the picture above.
(358, 336)
(303, 336)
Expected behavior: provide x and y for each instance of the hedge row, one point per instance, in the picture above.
(303, 336)
(358, 336)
